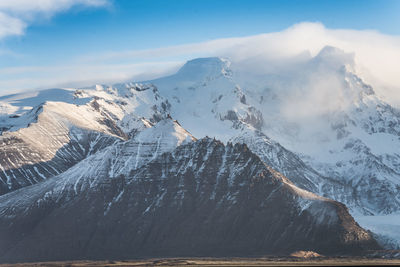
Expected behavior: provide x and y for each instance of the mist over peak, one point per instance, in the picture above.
(334, 58)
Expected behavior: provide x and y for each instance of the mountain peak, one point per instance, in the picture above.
(205, 67)
(166, 128)
(333, 57)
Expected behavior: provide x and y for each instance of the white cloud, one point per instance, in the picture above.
(10, 25)
(16, 15)
(376, 55)
(41, 77)
(27, 6)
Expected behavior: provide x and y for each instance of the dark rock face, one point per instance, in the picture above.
(202, 199)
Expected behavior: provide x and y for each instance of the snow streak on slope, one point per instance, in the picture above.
(123, 157)
(117, 159)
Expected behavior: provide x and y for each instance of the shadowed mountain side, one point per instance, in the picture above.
(202, 199)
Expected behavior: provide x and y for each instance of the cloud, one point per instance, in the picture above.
(46, 6)
(10, 25)
(376, 58)
(376, 55)
(16, 15)
(41, 77)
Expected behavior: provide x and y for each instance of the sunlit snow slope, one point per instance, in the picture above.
(46, 132)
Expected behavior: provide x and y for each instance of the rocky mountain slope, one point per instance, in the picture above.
(202, 198)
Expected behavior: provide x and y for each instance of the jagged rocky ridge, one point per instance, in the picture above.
(200, 199)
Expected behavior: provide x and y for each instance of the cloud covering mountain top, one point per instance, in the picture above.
(376, 59)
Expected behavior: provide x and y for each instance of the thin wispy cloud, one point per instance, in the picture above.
(41, 77)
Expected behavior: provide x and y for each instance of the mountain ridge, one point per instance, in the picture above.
(330, 150)
(201, 198)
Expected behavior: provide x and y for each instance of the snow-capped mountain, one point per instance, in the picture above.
(331, 134)
(47, 132)
(318, 124)
(337, 150)
(200, 198)
(51, 143)
(123, 157)
(338, 126)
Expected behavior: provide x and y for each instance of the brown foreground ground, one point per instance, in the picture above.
(273, 261)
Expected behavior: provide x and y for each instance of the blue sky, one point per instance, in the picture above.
(61, 32)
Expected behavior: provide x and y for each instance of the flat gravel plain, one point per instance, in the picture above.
(323, 261)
